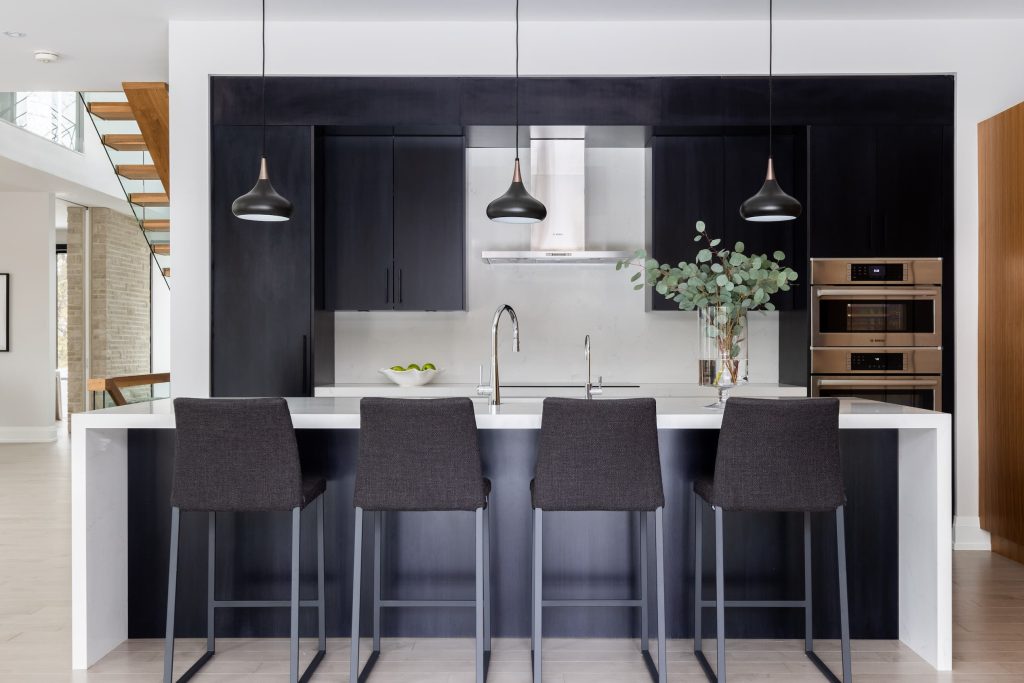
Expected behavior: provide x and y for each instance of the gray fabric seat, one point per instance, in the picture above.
(419, 455)
(241, 455)
(600, 456)
(774, 455)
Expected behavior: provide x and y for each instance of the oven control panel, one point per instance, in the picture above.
(878, 272)
(878, 362)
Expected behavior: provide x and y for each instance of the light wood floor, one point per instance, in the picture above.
(35, 622)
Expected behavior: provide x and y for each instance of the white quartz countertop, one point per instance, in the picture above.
(565, 390)
(673, 413)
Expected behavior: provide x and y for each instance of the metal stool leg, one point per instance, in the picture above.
(378, 520)
(698, 569)
(487, 578)
(644, 597)
(844, 607)
(321, 598)
(172, 581)
(293, 649)
(479, 607)
(357, 566)
(659, 558)
(720, 594)
(538, 567)
(211, 552)
(808, 596)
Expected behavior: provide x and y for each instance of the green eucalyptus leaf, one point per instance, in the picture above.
(638, 287)
(661, 288)
(636, 276)
(717, 268)
(704, 255)
(700, 226)
(618, 265)
(721, 280)
(778, 256)
(739, 247)
(696, 238)
(715, 242)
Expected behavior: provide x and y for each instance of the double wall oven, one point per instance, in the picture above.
(876, 330)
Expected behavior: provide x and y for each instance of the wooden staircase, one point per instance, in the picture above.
(134, 127)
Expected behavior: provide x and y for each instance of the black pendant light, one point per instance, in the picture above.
(516, 205)
(771, 203)
(262, 202)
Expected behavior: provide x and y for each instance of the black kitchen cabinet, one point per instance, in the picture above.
(429, 237)
(262, 322)
(358, 216)
(878, 191)
(686, 186)
(394, 223)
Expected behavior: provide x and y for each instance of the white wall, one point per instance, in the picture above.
(160, 326)
(557, 305)
(27, 250)
(984, 55)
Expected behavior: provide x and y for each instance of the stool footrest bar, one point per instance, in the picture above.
(427, 603)
(757, 603)
(263, 603)
(591, 603)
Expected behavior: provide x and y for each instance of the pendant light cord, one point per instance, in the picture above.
(263, 79)
(771, 51)
(517, 79)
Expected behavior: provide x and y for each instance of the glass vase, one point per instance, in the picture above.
(722, 354)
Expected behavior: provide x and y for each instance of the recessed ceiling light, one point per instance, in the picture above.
(14, 34)
(46, 57)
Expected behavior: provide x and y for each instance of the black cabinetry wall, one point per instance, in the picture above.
(262, 319)
(707, 177)
(394, 236)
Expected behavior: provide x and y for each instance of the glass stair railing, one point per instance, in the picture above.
(133, 164)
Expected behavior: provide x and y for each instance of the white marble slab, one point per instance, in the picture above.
(570, 390)
(99, 505)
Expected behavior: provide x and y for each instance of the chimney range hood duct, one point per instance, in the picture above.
(558, 180)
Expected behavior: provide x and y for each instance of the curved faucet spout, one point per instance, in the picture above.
(495, 382)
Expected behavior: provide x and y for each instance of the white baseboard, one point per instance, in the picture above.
(968, 534)
(28, 434)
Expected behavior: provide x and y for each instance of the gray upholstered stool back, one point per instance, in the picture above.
(418, 454)
(779, 455)
(598, 455)
(235, 454)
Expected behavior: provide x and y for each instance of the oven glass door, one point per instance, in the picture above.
(876, 317)
(913, 392)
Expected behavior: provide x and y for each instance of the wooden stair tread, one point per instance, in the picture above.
(138, 171)
(112, 111)
(125, 142)
(151, 110)
(149, 199)
(156, 224)
(162, 248)
(167, 272)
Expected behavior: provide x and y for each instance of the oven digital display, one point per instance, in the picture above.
(876, 361)
(876, 272)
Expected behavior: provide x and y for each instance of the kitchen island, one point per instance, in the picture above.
(896, 463)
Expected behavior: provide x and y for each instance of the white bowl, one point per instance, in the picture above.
(410, 378)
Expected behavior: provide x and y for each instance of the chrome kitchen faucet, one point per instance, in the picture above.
(495, 389)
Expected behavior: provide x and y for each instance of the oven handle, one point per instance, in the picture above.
(877, 383)
(880, 292)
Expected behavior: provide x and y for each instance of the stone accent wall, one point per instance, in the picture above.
(119, 264)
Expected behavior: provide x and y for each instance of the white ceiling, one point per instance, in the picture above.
(108, 41)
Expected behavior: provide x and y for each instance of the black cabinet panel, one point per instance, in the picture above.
(911, 192)
(687, 182)
(843, 216)
(261, 272)
(429, 223)
(590, 101)
(358, 223)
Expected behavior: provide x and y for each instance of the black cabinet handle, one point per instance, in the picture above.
(387, 285)
(400, 288)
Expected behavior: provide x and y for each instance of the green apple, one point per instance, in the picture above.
(398, 368)
(429, 366)
(413, 366)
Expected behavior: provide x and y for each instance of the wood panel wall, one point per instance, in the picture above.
(1001, 329)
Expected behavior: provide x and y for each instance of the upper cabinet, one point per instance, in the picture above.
(879, 191)
(706, 178)
(394, 223)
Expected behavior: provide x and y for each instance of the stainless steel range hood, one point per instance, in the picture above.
(558, 179)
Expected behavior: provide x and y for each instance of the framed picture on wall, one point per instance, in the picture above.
(5, 312)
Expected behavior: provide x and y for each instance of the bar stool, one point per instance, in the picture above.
(600, 456)
(419, 455)
(774, 455)
(240, 455)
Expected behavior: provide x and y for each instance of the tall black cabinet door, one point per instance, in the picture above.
(358, 206)
(843, 208)
(261, 303)
(912, 202)
(430, 251)
(687, 177)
